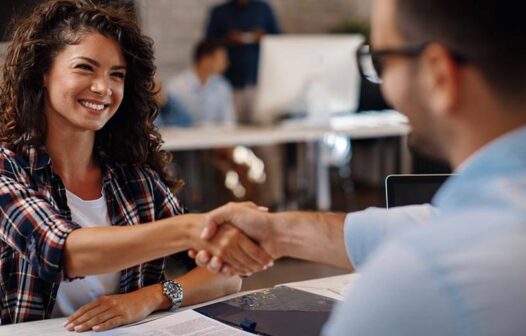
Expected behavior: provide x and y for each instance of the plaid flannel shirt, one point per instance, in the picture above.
(35, 221)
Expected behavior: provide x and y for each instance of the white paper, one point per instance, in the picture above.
(186, 323)
(334, 287)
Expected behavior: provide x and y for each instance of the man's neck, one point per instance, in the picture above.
(478, 134)
(241, 3)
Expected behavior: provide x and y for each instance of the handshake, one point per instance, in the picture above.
(236, 239)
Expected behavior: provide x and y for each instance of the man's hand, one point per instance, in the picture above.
(234, 37)
(233, 247)
(254, 221)
(111, 311)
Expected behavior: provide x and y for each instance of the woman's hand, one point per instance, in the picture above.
(111, 311)
(234, 248)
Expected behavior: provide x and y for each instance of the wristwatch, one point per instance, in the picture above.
(173, 291)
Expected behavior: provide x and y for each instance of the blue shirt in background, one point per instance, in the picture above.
(464, 273)
(244, 58)
(195, 103)
(173, 113)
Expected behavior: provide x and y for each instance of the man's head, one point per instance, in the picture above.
(467, 74)
(211, 56)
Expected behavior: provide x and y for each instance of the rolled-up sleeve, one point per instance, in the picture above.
(33, 227)
(365, 230)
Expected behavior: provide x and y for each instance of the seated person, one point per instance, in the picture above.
(86, 210)
(201, 92)
(171, 112)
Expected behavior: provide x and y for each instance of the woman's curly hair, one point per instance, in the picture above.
(130, 136)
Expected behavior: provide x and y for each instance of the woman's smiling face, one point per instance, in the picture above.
(85, 85)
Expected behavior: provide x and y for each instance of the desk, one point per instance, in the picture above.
(332, 287)
(356, 126)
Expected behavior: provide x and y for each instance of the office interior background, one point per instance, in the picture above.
(177, 25)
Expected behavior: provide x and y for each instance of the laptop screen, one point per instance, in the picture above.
(412, 189)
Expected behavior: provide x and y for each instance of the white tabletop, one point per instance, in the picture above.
(333, 287)
(354, 126)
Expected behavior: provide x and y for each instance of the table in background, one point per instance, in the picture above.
(369, 125)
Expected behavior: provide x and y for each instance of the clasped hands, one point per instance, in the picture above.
(237, 239)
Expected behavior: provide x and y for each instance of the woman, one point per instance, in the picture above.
(80, 166)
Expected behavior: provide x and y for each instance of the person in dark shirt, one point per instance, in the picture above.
(240, 25)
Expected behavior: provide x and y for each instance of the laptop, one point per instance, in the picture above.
(412, 189)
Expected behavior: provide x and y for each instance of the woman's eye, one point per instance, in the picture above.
(120, 75)
(84, 67)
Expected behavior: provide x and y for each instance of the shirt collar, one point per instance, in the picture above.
(39, 160)
(504, 156)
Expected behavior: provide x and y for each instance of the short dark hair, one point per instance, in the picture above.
(489, 35)
(206, 48)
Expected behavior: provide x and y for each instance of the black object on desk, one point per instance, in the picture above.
(280, 311)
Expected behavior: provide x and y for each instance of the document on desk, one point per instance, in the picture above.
(185, 323)
(279, 311)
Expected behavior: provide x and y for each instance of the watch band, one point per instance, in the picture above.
(173, 291)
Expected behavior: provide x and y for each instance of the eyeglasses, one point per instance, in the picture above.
(371, 62)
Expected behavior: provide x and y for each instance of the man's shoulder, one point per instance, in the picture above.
(180, 81)
(468, 228)
(222, 7)
(260, 4)
(220, 82)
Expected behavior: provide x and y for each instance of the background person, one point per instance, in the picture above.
(201, 91)
(240, 25)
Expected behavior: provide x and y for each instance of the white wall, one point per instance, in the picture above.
(176, 25)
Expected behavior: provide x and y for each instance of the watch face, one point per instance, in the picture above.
(173, 291)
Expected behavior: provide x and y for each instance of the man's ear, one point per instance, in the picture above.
(441, 80)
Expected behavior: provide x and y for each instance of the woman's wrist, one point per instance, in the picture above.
(193, 225)
(155, 298)
(183, 232)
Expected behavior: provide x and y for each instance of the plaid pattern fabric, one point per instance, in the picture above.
(35, 221)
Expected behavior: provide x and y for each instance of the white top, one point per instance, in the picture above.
(74, 294)
(211, 103)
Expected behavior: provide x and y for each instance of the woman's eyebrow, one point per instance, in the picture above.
(97, 64)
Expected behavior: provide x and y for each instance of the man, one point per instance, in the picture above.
(455, 68)
(241, 24)
(201, 91)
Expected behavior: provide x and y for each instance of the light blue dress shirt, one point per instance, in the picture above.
(463, 273)
(211, 103)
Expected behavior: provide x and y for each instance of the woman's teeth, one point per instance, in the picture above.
(93, 106)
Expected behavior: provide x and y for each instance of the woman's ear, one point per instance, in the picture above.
(45, 80)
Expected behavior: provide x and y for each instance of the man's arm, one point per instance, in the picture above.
(335, 239)
(311, 236)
